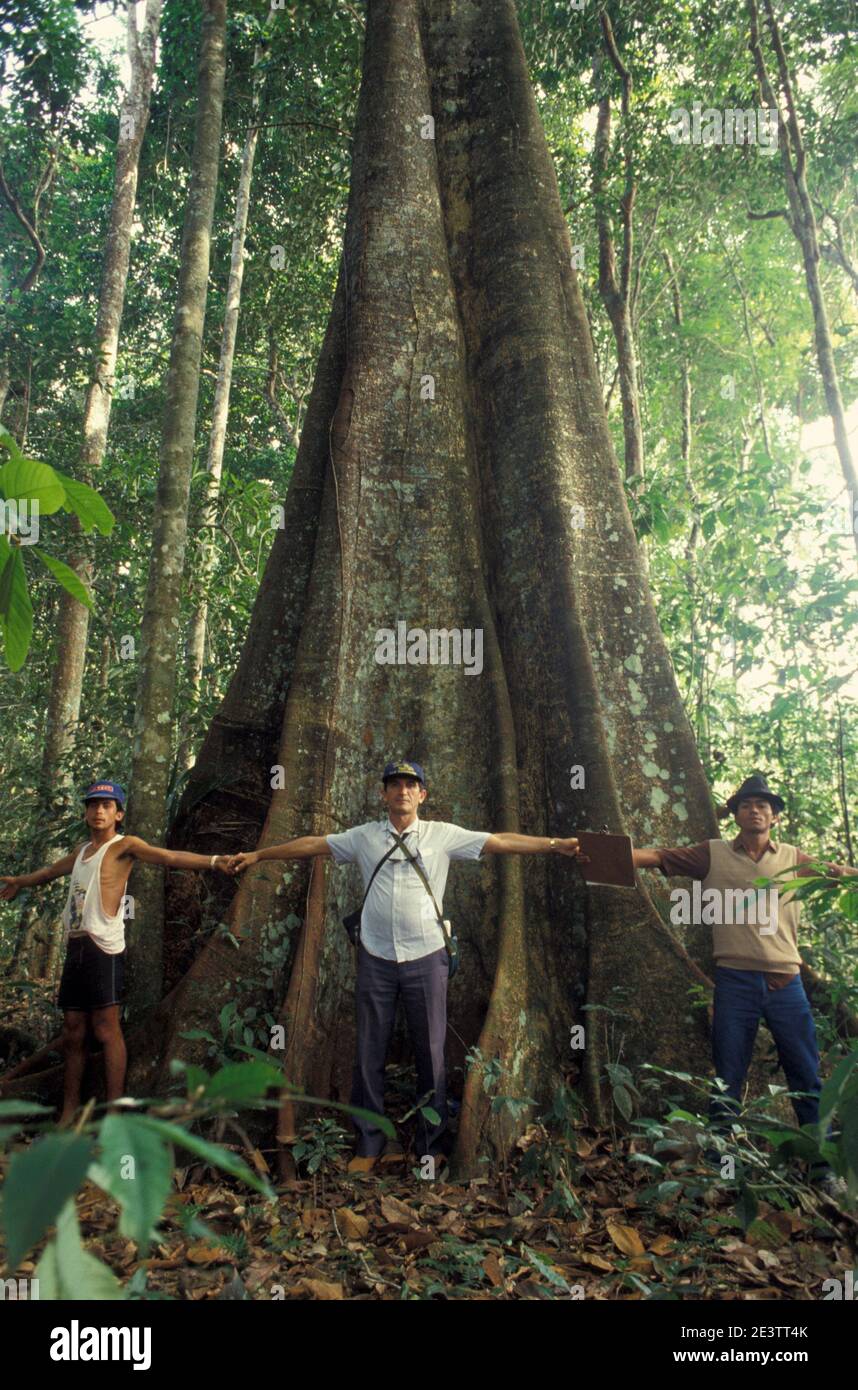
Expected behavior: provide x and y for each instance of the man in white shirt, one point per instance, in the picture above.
(402, 945)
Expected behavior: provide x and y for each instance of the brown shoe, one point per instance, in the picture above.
(362, 1163)
(392, 1155)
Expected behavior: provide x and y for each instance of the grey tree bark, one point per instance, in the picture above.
(153, 740)
(73, 621)
(196, 637)
(616, 288)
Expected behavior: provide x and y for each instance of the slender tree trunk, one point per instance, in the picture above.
(685, 455)
(20, 965)
(290, 431)
(153, 742)
(196, 639)
(842, 789)
(73, 621)
(614, 288)
(802, 220)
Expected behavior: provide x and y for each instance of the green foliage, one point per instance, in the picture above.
(39, 1184)
(549, 1162)
(30, 490)
(319, 1150)
(321, 1144)
(762, 1150)
(129, 1148)
(238, 1032)
(130, 1156)
(68, 1271)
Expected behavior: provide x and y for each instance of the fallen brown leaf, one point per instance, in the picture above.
(319, 1288)
(417, 1240)
(595, 1261)
(206, 1255)
(492, 1270)
(662, 1245)
(352, 1225)
(315, 1218)
(258, 1273)
(625, 1238)
(393, 1210)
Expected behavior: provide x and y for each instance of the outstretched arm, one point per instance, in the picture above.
(172, 858)
(647, 858)
(508, 842)
(12, 884)
(305, 847)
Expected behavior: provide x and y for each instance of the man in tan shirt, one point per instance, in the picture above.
(755, 945)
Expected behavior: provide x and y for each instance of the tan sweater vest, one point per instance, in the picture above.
(741, 946)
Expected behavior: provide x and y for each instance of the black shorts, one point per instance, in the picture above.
(91, 978)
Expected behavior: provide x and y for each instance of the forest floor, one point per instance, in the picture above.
(585, 1213)
(398, 1236)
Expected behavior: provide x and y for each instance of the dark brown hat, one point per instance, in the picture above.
(755, 785)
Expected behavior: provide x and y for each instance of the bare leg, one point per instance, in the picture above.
(108, 1031)
(74, 1047)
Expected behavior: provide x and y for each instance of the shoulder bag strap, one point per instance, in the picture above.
(381, 861)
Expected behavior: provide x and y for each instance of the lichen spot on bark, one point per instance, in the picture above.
(658, 800)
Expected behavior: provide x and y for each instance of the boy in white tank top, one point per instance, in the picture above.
(94, 919)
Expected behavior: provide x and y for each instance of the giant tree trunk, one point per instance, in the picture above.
(196, 638)
(153, 743)
(458, 511)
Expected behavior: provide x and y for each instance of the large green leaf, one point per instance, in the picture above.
(28, 479)
(135, 1167)
(12, 1109)
(67, 1271)
(16, 610)
(838, 1079)
(66, 576)
(243, 1081)
(88, 505)
(39, 1184)
(212, 1153)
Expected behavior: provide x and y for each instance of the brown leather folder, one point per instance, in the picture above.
(610, 859)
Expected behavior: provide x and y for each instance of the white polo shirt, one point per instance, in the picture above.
(399, 921)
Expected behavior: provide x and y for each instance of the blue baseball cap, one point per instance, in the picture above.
(404, 770)
(109, 791)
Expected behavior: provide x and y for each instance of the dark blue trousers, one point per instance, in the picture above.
(742, 998)
(423, 985)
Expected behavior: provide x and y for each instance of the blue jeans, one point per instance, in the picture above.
(742, 998)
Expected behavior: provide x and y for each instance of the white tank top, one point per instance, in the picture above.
(84, 913)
